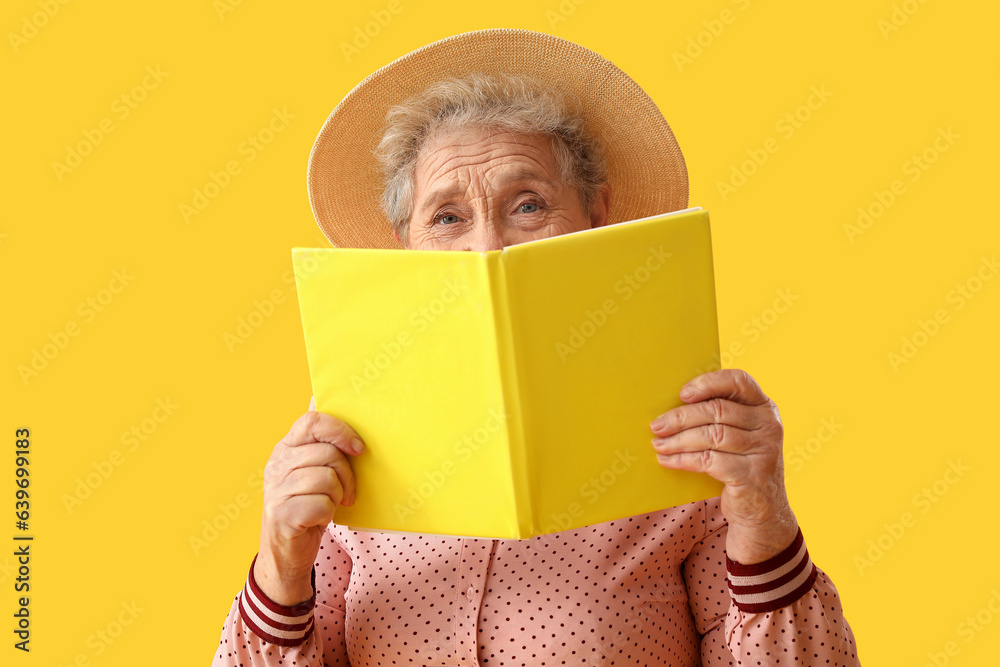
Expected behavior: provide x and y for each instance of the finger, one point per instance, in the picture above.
(303, 512)
(312, 454)
(324, 454)
(733, 384)
(730, 469)
(347, 480)
(335, 481)
(312, 403)
(713, 410)
(708, 437)
(320, 427)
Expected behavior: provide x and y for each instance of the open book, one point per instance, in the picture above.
(508, 393)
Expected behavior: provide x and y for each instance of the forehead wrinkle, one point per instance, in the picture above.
(471, 155)
(448, 159)
(495, 178)
(519, 173)
(484, 145)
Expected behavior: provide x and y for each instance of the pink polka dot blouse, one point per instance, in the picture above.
(653, 589)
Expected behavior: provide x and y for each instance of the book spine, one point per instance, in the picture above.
(711, 284)
(507, 359)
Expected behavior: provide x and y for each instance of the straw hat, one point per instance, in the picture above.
(645, 167)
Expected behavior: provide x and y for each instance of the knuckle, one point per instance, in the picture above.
(744, 380)
(779, 431)
(774, 409)
(716, 409)
(716, 434)
(310, 419)
(271, 472)
(707, 457)
(753, 387)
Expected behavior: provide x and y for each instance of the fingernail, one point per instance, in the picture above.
(357, 445)
(687, 392)
(657, 423)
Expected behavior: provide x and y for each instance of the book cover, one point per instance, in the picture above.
(508, 393)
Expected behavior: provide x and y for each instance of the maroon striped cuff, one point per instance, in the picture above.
(273, 622)
(775, 583)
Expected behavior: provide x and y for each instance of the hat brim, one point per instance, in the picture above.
(645, 167)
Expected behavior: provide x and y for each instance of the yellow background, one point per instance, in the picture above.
(125, 553)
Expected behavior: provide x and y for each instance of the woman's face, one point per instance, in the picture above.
(477, 191)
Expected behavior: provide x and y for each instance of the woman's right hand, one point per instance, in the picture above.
(305, 479)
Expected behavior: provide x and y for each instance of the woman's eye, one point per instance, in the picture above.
(449, 219)
(528, 207)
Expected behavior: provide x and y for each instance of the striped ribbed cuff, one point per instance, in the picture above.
(273, 622)
(775, 583)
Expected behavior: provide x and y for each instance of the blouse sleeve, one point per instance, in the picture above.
(259, 631)
(782, 611)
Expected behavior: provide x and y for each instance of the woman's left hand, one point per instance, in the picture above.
(730, 430)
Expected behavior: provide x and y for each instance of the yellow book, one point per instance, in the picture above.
(508, 393)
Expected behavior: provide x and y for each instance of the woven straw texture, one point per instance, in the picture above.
(646, 169)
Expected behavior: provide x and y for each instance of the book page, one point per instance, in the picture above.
(608, 325)
(402, 347)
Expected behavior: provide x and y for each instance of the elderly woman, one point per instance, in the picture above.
(491, 139)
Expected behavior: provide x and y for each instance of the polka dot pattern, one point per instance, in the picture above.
(649, 589)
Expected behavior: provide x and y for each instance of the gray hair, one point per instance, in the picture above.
(502, 104)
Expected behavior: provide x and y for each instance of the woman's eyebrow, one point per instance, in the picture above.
(522, 174)
(436, 197)
(505, 180)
